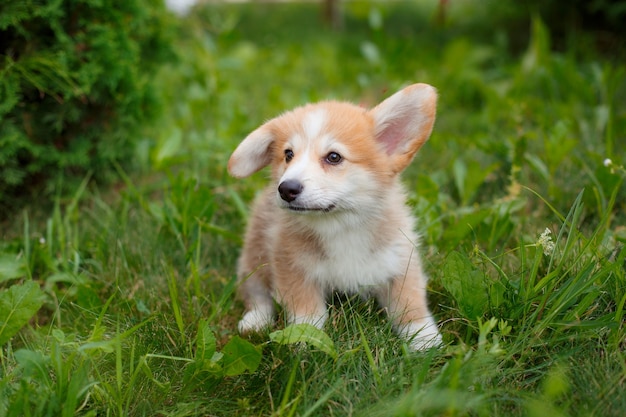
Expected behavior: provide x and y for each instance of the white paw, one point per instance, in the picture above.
(316, 320)
(421, 335)
(256, 320)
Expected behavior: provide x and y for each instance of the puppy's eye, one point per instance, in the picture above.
(288, 155)
(333, 158)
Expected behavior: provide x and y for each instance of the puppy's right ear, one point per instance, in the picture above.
(253, 153)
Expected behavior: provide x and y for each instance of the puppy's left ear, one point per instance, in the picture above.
(253, 153)
(404, 121)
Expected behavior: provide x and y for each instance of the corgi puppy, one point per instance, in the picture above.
(334, 217)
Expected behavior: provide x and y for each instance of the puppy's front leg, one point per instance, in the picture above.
(302, 299)
(405, 300)
(256, 294)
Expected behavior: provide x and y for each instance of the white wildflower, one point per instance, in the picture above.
(42, 240)
(545, 241)
(615, 168)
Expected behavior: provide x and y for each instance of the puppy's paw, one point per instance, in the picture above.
(255, 320)
(318, 319)
(421, 335)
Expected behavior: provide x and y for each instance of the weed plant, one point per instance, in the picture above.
(120, 302)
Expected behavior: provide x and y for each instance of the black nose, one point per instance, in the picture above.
(289, 190)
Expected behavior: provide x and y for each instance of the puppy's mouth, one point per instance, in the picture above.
(302, 209)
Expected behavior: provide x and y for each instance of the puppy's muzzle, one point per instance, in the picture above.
(289, 190)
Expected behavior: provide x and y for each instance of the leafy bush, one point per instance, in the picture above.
(74, 87)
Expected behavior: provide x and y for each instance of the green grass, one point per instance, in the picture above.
(134, 311)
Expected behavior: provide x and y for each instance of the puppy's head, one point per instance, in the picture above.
(336, 156)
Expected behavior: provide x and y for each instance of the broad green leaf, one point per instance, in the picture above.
(65, 278)
(11, 267)
(58, 335)
(240, 356)
(428, 189)
(538, 53)
(466, 223)
(305, 333)
(205, 342)
(106, 346)
(33, 364)
(168, 146)
(18, 305)
(469, 176)
(77, 388)
(469, 286)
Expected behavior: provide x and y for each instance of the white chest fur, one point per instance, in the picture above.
(355, 258)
